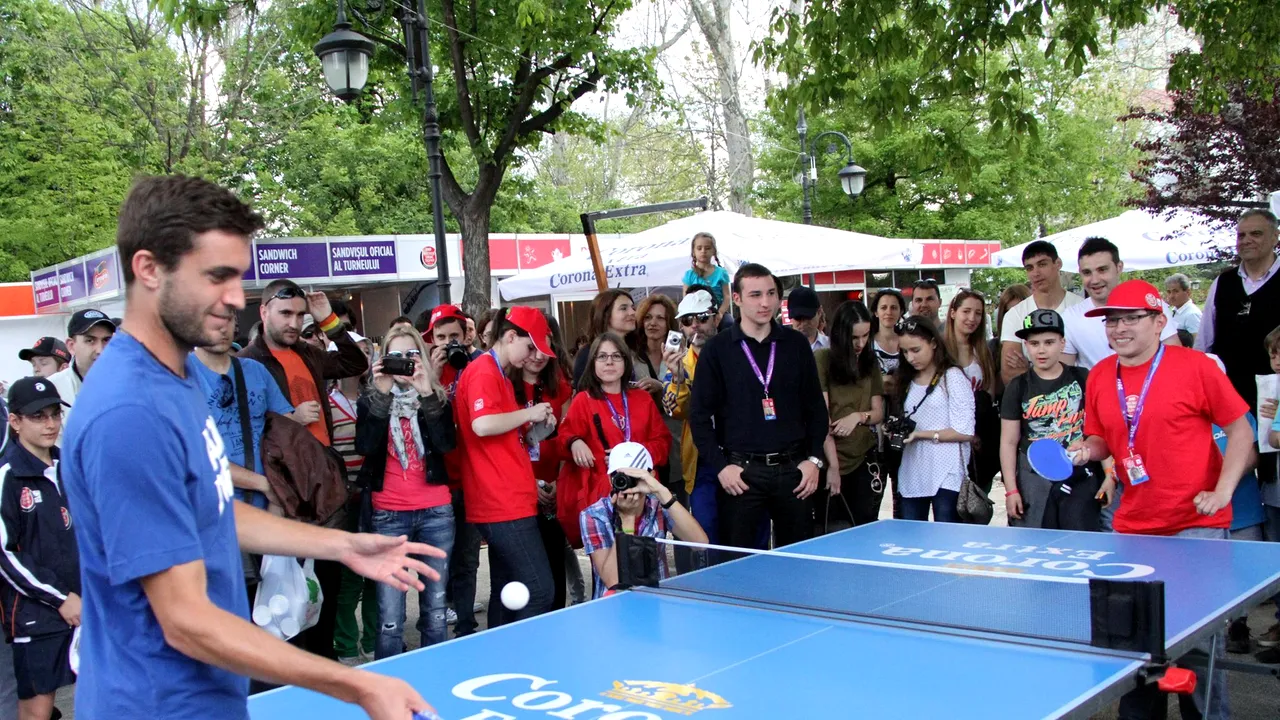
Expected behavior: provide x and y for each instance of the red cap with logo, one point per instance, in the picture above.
(532, 321)
(445, 312)
(1130, 295)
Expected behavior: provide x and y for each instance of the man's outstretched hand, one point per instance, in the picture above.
(387, 560)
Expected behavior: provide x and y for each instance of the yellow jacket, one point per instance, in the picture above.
(675, 402)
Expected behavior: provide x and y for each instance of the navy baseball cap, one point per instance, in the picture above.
(30, 395)
(84, 320)
(802, 303)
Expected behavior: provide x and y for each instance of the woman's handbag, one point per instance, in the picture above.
(973, 506)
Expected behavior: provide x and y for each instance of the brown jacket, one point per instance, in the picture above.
(307, 477)
(347, 361)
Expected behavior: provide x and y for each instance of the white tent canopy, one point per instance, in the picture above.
(660, 256)
(1147, 241)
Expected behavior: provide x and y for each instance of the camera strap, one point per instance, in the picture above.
(636, 555)
(937, 377)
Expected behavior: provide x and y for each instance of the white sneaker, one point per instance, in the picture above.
(451, 616)
(354, 661)
(478, 607)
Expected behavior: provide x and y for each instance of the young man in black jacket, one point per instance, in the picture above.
(38, 554)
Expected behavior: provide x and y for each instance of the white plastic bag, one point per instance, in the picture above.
(289, 597)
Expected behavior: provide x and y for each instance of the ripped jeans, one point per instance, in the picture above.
(433, 526)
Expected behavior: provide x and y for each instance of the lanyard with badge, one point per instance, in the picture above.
(770, 412)
(1133, 465)
(532, 449)
(623, 421)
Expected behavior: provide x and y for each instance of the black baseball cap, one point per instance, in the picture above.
(802, 303)
(30, 395)
(83, 320)
(46, 347)
(1041, 321)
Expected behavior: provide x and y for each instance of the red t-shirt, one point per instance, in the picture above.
(302, 388)
(547, 466)
(497, 477)
(1189, 394)
(453, 459)
(407, 488)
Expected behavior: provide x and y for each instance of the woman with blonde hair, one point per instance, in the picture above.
(404, 426)
(965, 335)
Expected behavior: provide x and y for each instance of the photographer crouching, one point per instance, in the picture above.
(637, 508)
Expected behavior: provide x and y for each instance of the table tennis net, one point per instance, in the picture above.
(957, 597)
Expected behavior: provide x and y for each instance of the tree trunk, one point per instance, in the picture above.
(474, 220)
(715, 24)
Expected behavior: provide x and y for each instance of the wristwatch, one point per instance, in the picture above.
(815, 461)
(937, 436)
(667, 505)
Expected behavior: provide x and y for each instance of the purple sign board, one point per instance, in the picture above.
(291, 259)
(362, 257)
(44, 285)
(71, 283)
(103, 274)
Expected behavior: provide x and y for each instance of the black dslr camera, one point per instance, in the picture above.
(457, 355)
(622, 481)
(896, 431)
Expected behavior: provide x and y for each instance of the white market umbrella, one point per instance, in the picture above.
(660, 256)
(1147, 241)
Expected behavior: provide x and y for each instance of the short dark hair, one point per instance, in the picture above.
(1095, 245)
(340, 307)
(752, 270)
(926, 284)
(275, 286)
(589, 382)
(1186, 338)
(163, 215)
(1038, 248)
(402, 319)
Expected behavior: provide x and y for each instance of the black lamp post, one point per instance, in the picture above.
(852, 176)
(345, 54)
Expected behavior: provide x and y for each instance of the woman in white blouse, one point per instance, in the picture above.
(966, 338)
(938, 398)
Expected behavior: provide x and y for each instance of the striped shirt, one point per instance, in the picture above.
(344, 432)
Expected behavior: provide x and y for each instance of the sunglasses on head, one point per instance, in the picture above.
(287, 293)
(926, 283)
(907, 324)
(689, 320)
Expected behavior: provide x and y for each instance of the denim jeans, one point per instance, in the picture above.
(464, 564)
(516, 555)
(433, 526)
(943, 504)
(1148, 703)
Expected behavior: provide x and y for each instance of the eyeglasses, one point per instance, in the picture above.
(609, 358)
(1126, 320)
(412, 354)
(45, 416)
(689, 320)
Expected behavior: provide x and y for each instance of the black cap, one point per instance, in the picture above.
(802, 303)
(83, 320)
(1041, 321)
(30, 395)
(46, 347)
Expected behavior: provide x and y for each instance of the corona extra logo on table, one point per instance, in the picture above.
(515, 692)
(672, 697)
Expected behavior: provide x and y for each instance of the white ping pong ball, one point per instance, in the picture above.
(515, 596)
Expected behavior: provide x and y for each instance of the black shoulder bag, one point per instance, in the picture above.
(250, 562)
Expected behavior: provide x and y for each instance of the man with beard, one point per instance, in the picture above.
(146, 470)
(300, 368)
(697, 318)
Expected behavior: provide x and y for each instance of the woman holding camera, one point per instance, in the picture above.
(853, 389)
(404, 426)
(936, 426)
(604, 413)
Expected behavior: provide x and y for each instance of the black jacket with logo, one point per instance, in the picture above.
(39, 559)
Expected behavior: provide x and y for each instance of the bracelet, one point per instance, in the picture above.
(330, 323)
(667, 505)
(1011, 493)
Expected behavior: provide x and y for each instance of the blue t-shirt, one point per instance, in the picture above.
(719, 278)
(264, 396)
(1246, 503)
(146, 471)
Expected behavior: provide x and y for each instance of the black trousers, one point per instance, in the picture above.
(770, 493)
(464, 564)
(553, 541)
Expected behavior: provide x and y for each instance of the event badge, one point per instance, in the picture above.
(535, 452)
(1135, 469)
(769, 412)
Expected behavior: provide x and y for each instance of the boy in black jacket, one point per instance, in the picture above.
(39, 560)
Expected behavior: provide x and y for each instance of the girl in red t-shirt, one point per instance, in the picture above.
(603, 414)
(404, 426)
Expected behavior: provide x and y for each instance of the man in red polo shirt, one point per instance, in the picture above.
(1176, 481)
(497, 474)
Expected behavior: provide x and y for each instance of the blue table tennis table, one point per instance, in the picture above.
(912, 620)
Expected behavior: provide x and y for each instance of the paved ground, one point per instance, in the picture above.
(1253, 697)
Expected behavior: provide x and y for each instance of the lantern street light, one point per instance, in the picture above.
(853, 177)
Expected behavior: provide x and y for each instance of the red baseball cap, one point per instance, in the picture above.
(532, 321)
(1130, 295)
(445, 312)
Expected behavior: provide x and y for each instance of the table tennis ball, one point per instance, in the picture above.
(289, 627)
(262, 615)
(279, 605)
(515, 596)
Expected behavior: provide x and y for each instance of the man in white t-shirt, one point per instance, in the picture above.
(1100, 270)
(1044, 275)
(1177, 293)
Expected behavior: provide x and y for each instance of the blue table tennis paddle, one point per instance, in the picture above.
(1050, 460)
(426, 715)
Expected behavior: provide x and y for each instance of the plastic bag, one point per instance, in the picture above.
(289, 597)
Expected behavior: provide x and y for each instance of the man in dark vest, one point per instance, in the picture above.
(1243, 306)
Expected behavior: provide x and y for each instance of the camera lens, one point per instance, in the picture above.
(456, 355)
(622, 481)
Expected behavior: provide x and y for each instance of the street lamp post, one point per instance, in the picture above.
(852, 176)
(344, 55)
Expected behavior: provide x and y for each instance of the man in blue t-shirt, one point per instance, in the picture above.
(164, 632)
(219, 383)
